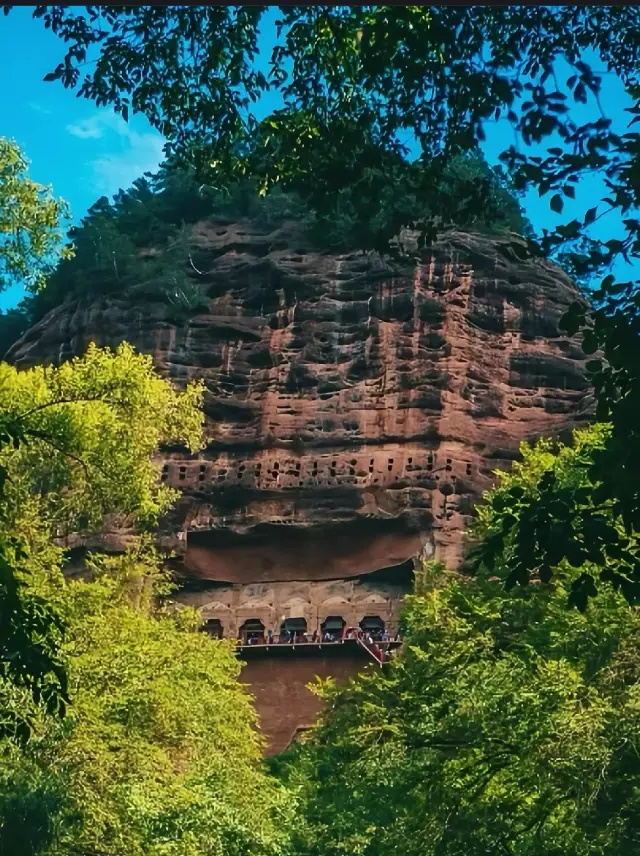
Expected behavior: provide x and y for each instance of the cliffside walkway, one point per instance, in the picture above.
(378, 651)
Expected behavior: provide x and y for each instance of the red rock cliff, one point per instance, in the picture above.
(357, 408)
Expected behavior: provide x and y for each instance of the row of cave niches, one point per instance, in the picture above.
(382, 468)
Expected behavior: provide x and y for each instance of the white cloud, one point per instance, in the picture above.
(39, 108)
(113, 171)
(98, 125)
(123, 153)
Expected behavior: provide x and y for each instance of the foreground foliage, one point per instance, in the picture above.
(550, 514)
(31, 223)
(157, 754)
(356, 82)
(75, 445)
(510, 724)
(123, 729)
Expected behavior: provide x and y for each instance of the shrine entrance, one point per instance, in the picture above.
(373, 625)
(331, 628)
(293, 630)
(252, 632)
(213, 626)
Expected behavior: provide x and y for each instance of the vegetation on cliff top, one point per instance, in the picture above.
(141, 242)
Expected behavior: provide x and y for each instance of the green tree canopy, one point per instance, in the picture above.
(31, 223)
(158, 753)
(508, 724)
(548, 515)
(76, 444)
(356, 82)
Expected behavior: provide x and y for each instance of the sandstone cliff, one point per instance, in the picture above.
(356, 407)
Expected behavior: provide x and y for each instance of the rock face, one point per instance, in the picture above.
(357, 407)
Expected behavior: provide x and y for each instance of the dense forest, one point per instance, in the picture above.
(509, 723)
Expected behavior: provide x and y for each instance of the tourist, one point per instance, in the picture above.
(314, 636)
(270, 636)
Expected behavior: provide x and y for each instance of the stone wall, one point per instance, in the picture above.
(272, 603)
(341, 389)
(283, 700)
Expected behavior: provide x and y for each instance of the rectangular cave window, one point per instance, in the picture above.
(183, 473)
(409, 460)
(468, 469)
(276, 466)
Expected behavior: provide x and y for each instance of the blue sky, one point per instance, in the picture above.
(86, 152)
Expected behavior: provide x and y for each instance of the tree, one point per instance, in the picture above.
(549, 513)
(508, 724)
(356, 82)
(76, 444)
(31, 230)
(159, 752)
(13, 324)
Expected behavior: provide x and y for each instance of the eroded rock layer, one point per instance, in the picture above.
(357, 407)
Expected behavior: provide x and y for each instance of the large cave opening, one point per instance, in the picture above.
(272, 553)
